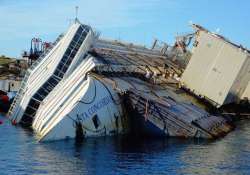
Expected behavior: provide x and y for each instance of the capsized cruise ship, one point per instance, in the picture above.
(86, 86)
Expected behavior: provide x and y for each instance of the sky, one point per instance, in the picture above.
(139, 21)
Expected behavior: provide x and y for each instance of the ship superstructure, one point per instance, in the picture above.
(88, 86)
(49, 70)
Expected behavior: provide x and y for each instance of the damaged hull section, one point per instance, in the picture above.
(176, 119)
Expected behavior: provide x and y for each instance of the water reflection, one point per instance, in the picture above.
(117, 155)
(21, 154)
(225, 156)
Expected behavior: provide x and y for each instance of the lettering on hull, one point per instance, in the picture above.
(95, 107)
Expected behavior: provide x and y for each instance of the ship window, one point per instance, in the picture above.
(57, 72)
(61, 75)
(85, 34)
(96, 121)
(49, 87)
(78, 35)
(65, 57)
(52, 81)
(66, 53)
(38, 97)
(74, 42)
(65, 69)
(80, 30)
(195, 43)
(29, 111)
(82, 37)
(69, 61)
(34, 103)
(42, 91)
(75, 39)
(60, 66)
(74, 52)
(70, 47)
(78, 45)
(80, 42)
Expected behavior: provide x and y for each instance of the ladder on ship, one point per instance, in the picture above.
(23, 86)
(58, 74)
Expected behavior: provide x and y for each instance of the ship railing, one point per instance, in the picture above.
(64, 63)
(123, 48)
(20, 93)
(45, 53)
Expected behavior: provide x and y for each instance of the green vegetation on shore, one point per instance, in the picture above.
(5, 60)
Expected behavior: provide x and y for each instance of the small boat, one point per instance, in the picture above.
(6, 99)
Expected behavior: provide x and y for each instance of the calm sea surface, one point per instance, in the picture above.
(21, 154)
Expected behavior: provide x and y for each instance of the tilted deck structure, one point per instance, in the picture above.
(49, 70)
(99, 82)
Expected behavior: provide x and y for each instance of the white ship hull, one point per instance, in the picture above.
(91, 106)
(76, 100)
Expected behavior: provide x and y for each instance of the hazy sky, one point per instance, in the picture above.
(139, 21)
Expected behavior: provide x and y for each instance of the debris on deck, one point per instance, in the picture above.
(182, 120)
(154, 106)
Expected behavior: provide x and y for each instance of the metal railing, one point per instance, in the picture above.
(63, 65)
(20, 93)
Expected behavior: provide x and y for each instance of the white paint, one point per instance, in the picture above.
(45, 69)
(9, 85)
(59, 122)
(217, 70)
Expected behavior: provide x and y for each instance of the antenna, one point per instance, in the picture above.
(76, 8)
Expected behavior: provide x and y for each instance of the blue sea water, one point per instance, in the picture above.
(21, 154)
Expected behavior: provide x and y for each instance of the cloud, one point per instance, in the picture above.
(23, 20)
(133, 20)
